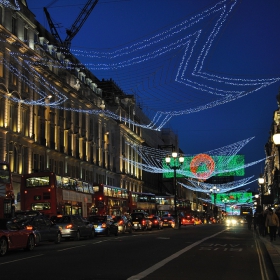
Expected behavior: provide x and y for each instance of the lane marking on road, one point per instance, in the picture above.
(70, 248)
(22, 259)
(263, 269)
(170, 258)
(163, 237)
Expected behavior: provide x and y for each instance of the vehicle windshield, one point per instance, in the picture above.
(97, 219)
(167, 218)
(3, 224)
(137, 216)
(61, 220)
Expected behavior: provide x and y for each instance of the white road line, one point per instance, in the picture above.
(70, 248)
(170, 258)
(22, 259)
(261, 260)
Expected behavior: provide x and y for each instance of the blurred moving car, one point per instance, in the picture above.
(212, 220)
(168, 221)
(73, 226)
(187, 220)
(231, 221)
(140, 221)
(43, 227)
(156, 222)
(124, 224)
(13, 236)
(197, 221)
(104, 225)
(242, 220)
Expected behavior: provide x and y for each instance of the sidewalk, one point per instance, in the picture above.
(273, 249)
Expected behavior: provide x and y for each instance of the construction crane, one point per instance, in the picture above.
(76, 26)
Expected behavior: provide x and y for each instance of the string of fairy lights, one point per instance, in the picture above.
(153, 160)
(174, 58)
(8, 4)
(156, 70)
(223, 188)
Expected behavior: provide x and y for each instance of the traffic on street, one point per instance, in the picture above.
(191, 252)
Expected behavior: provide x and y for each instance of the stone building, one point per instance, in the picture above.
(52, 111)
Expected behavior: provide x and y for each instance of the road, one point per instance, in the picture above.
(193, 252)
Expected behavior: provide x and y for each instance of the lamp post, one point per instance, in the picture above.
(231, 209)
(225, 201)
(261, 183)
(176, 163)
(214, 190)
(276, 141)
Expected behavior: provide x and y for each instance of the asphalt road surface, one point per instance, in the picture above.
(193, 252)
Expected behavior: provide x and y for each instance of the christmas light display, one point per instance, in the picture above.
(207, 162)
(8, 4)
(157, 70)
(226, 187)
(193, 50)
(154, 159)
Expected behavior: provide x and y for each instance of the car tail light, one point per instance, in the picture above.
(69, 226)
(192, 220)
(120, 222)
(143, 222)
(183, 220)
(103, 225)
(156, 221)
(29, 227)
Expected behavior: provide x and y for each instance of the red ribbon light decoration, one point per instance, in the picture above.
(202, 160)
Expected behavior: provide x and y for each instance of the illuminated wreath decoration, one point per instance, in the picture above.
(202, 166)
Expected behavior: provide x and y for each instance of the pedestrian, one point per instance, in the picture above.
(277, 212)
(261, 219)
(272, 222)
(249, 219)
(256, 220)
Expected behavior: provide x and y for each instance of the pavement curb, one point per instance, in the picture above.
(273, 249)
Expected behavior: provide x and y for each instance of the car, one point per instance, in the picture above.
(231, 221)
(197, 221)
(124, 224)
(104, 225)
(168, 221)
(13, 236)
(140, 221)
(156, 222)
(73, 226)
(44, 228)
(242, 220)
(187, 220)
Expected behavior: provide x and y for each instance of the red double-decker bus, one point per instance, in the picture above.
(109, 200)
(7, 207)
(142, 202)
(51, 194)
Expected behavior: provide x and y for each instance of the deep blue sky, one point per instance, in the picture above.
(246, 47)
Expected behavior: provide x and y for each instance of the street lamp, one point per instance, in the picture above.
(276, 141)
(225, 201)
(261, 183)
(214, 190)
(231, 209)
(176, 163)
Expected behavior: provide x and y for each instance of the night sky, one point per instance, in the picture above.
(152, 49)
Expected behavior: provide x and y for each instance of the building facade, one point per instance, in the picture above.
(52, 112)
